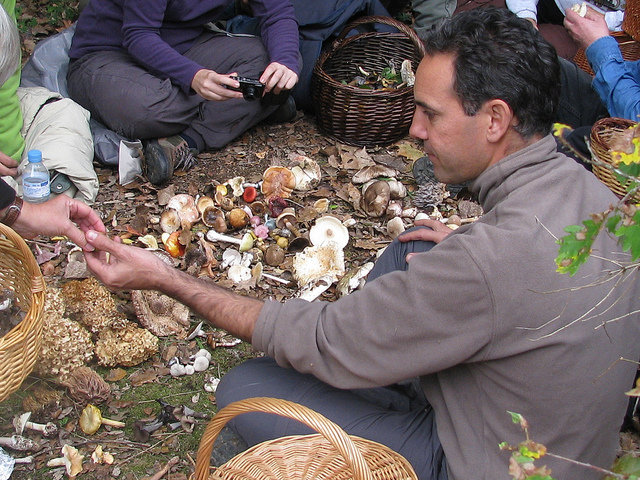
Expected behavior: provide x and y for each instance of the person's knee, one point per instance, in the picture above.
(252, 59)
(236, 383)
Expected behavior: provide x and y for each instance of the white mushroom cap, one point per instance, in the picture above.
(185, 205)
(203, 352)
(307, 173)
(200, 364)
(318, 261)
(329, 229)
(177, 370)
(370, 172)
(237, 185)
(395, 227)
(239, 273)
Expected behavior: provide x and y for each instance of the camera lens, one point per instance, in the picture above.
(250, 93)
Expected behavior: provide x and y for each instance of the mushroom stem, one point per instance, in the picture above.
(214, 236)
(292, 229)
(48, 429)
(18, 442)
(28, 459)
(273, 277)
(112, 423)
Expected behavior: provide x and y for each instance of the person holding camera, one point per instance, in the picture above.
(153, 70)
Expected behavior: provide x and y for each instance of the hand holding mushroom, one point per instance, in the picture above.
(124, 266)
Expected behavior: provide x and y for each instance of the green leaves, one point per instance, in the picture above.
(523, 455)
(621, 220)
(575, 247)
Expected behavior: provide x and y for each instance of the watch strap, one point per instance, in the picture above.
(12, 212)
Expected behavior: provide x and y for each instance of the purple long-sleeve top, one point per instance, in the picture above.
(158, 32)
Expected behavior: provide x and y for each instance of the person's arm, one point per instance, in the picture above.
(279, 33)
(126, 267)
(616, 80)
(61, 215)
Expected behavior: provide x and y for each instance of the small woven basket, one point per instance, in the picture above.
(602, 132)
(330, 455)
(629, 48)
(19, 348)
(357, 116)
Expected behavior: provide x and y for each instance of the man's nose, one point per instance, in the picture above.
(417, 128)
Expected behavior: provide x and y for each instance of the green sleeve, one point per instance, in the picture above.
(11, 141)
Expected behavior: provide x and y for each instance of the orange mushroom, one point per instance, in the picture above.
(278, 181)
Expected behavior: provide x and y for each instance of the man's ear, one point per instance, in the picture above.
(501, 119)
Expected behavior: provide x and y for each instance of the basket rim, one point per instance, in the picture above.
(20, 346)
(330, 431)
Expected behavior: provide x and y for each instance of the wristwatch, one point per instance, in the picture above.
(11, 212)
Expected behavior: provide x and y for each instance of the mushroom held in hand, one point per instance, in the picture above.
(91, 419)
(71, 460)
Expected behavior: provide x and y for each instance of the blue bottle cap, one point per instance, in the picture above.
(34, 156)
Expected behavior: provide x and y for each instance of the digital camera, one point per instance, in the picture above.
(251, 89)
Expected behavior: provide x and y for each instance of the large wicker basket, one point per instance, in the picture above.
(365, 117)
(602, 132)
(19, 348)
(330, 455)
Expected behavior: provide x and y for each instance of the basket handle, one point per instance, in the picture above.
(285, 408)
(409, 32)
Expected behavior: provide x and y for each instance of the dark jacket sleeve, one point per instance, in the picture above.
(7, 194)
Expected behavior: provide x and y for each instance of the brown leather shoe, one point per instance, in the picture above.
(164, 155)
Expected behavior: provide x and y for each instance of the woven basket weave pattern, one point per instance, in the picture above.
(330, 455)
(602, 132)
(19, 348)
(357, 116)
(631, 21)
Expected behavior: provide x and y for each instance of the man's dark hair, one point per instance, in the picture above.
(501, 56)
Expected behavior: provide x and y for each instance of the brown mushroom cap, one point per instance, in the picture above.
(284, 218)
(238, 218)
(375, 198)
(170, 220)
(203, 202)
(160, 314)
(210, 214)
(373, 171)
(278, 181)
(87, 386)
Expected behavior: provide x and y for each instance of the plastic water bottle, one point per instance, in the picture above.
(36, 185)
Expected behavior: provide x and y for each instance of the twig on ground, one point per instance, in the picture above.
(162, 472)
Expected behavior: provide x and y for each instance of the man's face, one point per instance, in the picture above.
(456, 143)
